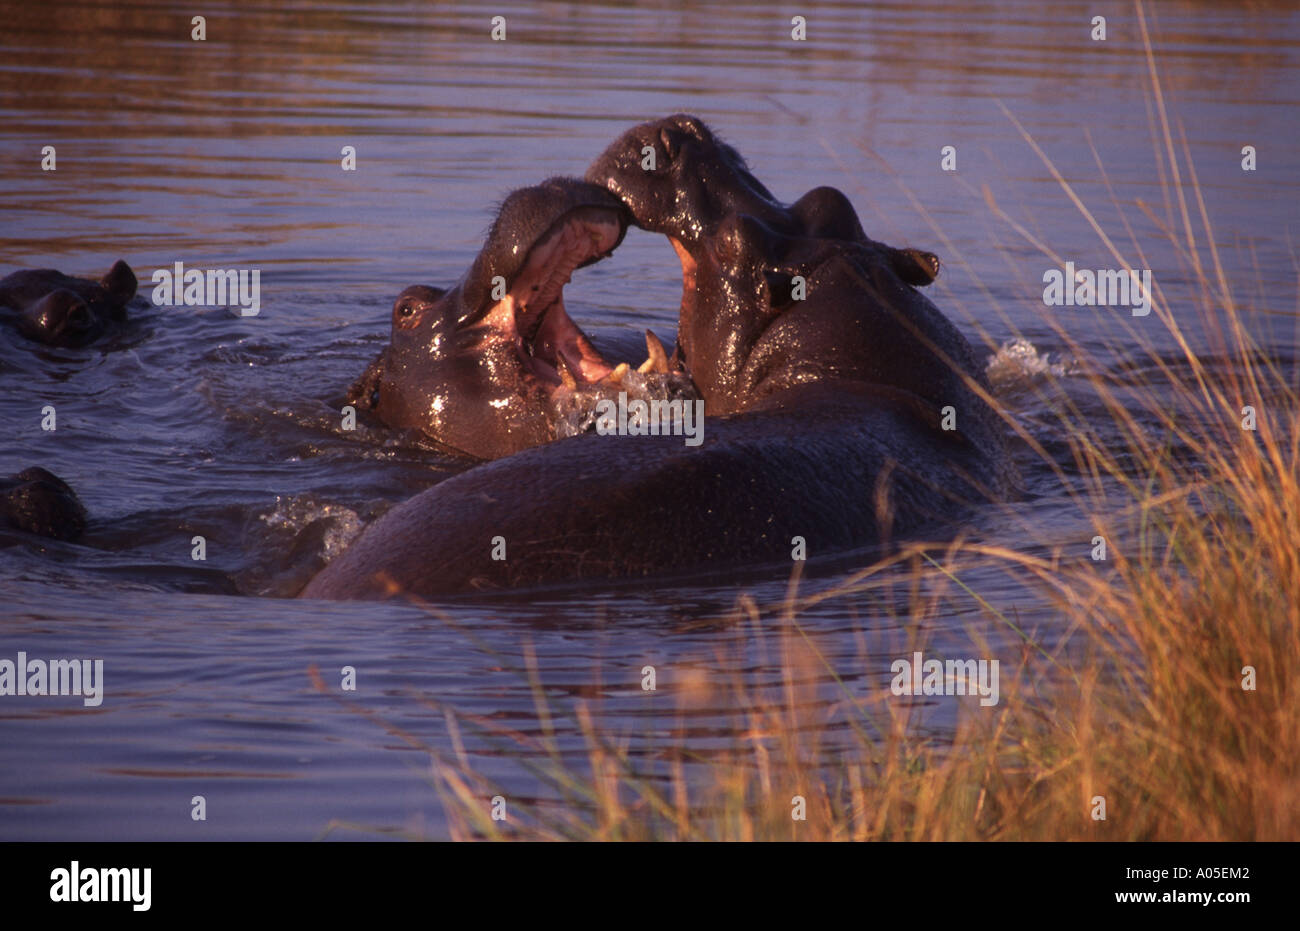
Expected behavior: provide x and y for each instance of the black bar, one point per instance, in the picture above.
(922, 882)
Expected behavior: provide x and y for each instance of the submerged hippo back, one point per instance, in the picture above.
(845, 471)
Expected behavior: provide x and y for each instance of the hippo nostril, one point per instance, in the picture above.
(671, 142)
(690, 125)
(80, 317)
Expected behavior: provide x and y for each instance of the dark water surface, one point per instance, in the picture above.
(225, 154)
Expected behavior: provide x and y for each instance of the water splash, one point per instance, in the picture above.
(336, 526)
(573, 410)
(1018, 362)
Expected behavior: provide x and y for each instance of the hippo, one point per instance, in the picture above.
(481, 373)
(836, 422)
(39, 502)
(50, 307)
(741, 250)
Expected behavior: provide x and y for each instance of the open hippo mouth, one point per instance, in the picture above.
(551, 347)
(576, 224)
(480, 367)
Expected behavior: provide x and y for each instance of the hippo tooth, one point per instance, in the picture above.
(616, 377)
(566, 376)
(656, 357)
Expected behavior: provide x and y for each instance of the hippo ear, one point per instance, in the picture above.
(120, 282)
(914, 266)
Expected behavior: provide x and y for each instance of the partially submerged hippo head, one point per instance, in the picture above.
(38, 501)
(475, 366)
(779, 297)
(59, 310)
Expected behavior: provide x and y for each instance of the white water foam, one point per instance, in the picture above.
(1018, 361)
(573, 411)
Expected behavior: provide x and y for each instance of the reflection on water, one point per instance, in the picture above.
(226, 152)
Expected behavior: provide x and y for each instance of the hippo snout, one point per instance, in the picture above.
(62, 318)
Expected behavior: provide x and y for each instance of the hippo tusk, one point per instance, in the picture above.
(616, 376)
(656, 357)
(566, 376)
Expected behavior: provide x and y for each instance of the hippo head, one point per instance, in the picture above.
(474, 366)
(59, 310)
(776, 296)
(39, 502)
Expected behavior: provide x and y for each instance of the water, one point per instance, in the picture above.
(226, 154)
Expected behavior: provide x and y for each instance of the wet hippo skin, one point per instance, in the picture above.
(49, 307)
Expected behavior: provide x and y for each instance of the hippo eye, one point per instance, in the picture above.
(407, 315)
